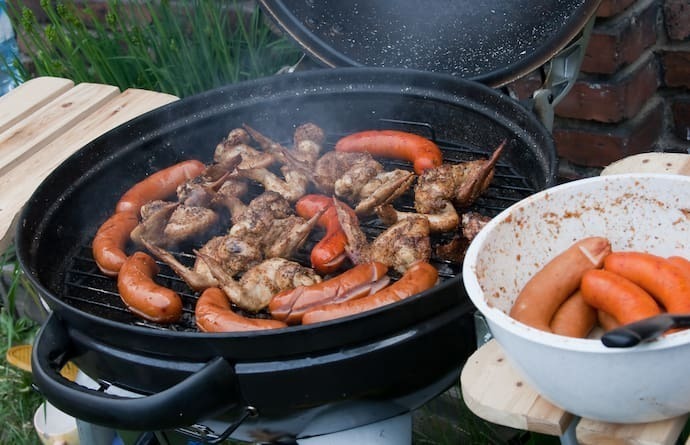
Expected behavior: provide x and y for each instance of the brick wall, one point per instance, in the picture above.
(633, 92)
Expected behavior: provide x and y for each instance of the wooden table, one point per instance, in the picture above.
(44, 121)
(495, 391)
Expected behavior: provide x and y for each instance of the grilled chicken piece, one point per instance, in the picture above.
(235, 145)
(260, 283)
(269, 223)
(360, 180)
(188, 223)
(192, 217)
(455, 249)
(441, 189)
(266, 228)
(234, 254)
(154, 217)
(167, 224)
(399, 246)
(297, 163)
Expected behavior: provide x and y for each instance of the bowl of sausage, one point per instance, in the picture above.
(559, 272)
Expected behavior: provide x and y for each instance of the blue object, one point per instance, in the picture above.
(8, 51)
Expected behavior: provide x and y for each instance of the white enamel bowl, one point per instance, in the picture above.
(646, 212)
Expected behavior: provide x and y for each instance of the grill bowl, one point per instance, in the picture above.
(646, 212)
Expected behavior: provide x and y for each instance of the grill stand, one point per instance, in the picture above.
(392, 431)
(561, 75)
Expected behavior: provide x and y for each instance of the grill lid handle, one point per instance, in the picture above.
(211, 390)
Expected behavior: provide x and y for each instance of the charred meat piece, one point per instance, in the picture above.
(455, 250)
(360, 180)
(260, 283)
(401, 245)
(264, 229)
(440, 190)
(297, 163)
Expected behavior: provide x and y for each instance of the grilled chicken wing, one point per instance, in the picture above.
(297, 163)
(265, 228)
(360, 180)
(260, 283)
(399, 246)
(439, 190)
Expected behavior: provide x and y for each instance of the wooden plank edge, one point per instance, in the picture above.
(51, 121)
(119, 110)
(494, 391)
(663, 432)
(29, 97)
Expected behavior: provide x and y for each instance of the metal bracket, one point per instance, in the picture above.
(562, 72)
(207, 435)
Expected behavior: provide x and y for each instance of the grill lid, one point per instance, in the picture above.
(492, 41)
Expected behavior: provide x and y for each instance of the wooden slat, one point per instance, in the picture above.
(665, 432)
(494, 391)
(17, 185)
(46, 124)
(29, 97)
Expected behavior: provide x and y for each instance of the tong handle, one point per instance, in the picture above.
(644, 330)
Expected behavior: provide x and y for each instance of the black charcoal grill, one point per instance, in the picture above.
(287, 384)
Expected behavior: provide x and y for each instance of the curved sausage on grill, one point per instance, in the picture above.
(159, 185)
(108, 245)
(418, 278)
(214, 314)
(142, 295)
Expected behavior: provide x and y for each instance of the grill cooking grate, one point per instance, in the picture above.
(87, 289)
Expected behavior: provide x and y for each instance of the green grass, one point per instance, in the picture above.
(181, 47)
(19, 400)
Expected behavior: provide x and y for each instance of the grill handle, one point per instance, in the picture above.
(205, 393)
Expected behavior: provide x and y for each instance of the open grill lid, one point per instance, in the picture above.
(490, 41)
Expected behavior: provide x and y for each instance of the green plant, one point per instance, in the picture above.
(19, 399)
(176, 47)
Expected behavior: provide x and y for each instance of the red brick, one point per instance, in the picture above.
(677, 19)
(597, 145)
(680, 112)
(621, 40)
(621, 97)
(676, 67)
(525, 86)
(607, 8)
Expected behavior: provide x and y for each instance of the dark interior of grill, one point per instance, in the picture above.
(87, 289)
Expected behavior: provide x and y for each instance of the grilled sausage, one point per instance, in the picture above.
(328, 254)
(616, 295)
(159, 185)
(574, 318)
(214, 314)
(142, 295)
(606, 320)
(108, 245)
(362, 280)
(556, 281)
(419, 150)
(418, 278)
(682, 263)
(664, 281)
